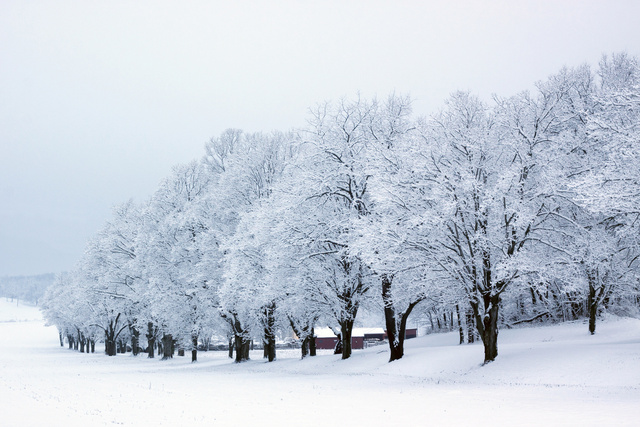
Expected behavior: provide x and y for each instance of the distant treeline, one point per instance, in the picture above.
(25, 288)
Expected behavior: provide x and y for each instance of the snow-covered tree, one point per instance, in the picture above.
(181, 298)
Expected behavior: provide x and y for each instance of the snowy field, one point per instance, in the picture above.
(556, 375)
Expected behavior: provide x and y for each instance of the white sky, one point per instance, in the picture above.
(98, 100)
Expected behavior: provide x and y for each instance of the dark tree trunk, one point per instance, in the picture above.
(487, 325)
(305, 334)
(194, 348)
(346, 329)
(338, 347)
(304, 347)
(167, 346)
(460, 328)
(592, 305)
(231, 348)
(93, 346)
(393, 319)
(271, 348)
(111, 333)
(151, 347)
(312, 342)
(597, 295)
(390, 320)
(70, 341)
(269, 332)
(242, 347)
(151, 340)
(242, 343)
(135, 339)
(109, 345)
(61, 337)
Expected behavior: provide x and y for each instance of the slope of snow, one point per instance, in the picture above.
(554, 375)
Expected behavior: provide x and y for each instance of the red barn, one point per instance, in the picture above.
(327, 340)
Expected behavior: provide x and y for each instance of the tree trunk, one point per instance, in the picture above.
(346, 329)
(151, 347)
(109, 344)
(61, 337)
(304, 347)
(592, 306)
(393, 319)
(487, 325)
(151, 340)
(305, 335)
(312, 342)
(93, 346)
(390, 320)
(194, 348)
(460, 328)
(242, 347)
(135, 340)
(338, 348)
(395, 338)
(242, 343)
(111, 333)
(269, 331)
(231, 348)
(167, 346)
(398, 352)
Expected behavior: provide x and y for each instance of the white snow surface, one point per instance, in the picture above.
(551, 375)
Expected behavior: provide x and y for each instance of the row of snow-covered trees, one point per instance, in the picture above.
(525, 208)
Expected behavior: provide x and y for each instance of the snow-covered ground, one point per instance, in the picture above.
(554, 375)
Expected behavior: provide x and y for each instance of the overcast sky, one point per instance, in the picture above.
(99, 99)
